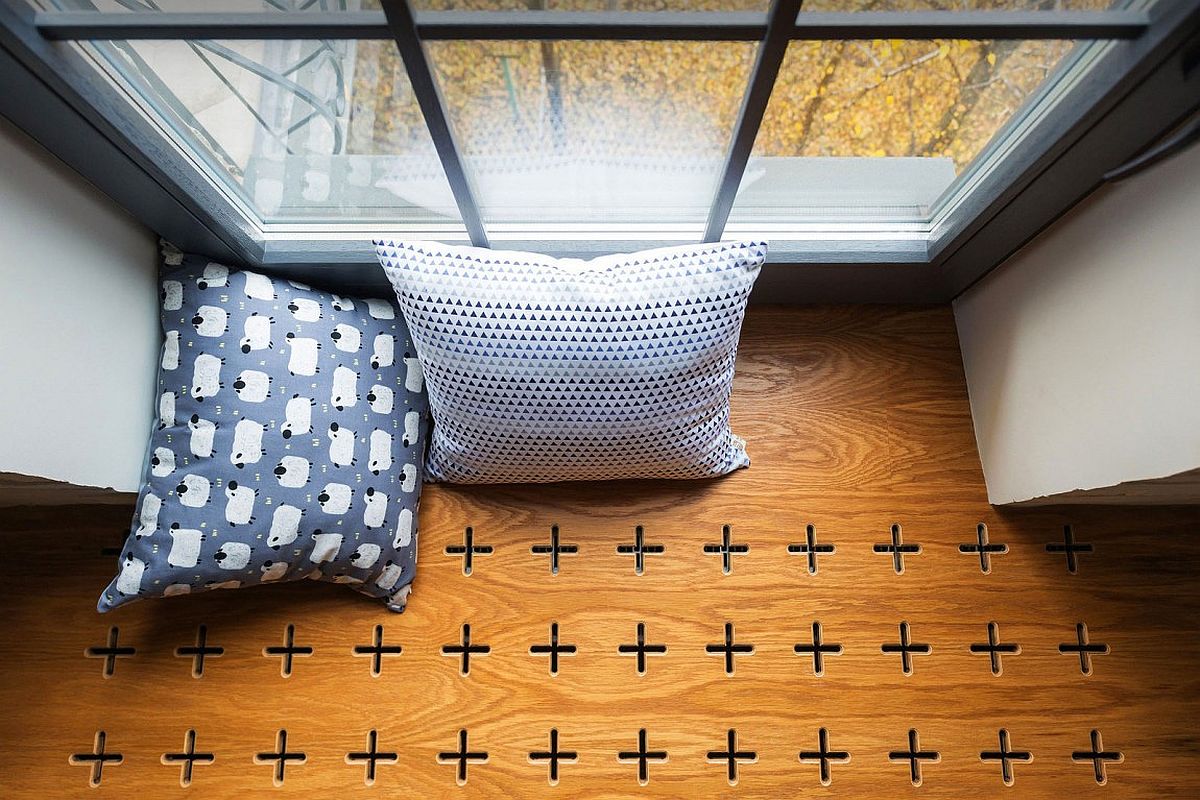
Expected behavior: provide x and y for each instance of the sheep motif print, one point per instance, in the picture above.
(288, 443)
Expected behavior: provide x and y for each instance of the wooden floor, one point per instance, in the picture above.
(859, 429)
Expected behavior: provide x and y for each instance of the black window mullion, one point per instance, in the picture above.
(433, 108)
(731, 26)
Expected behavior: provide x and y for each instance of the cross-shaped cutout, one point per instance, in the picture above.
(468, 550)
(462, 757)
(1099, 757)
(199, 651)
(288, 651)
(643, 757)
(906, 648)
(465, 649)
(1071, 548)
(1006, 756)
(97, 759)
(728, 649)
(914, 755)
(372, 757)
(983, 548)
(553, 756)
(110, 652)
(995, 648)
(188, 758)
(554, 549)
(824, 756)
(552, 649)
(730, 756)
(639, 549)
(898, 549)
(281, 757)
(818, 650)
(810, 549)
(377, 650)
(726, 549)
(1083, 648)
(641, 649)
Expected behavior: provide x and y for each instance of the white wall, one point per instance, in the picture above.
(1082, 352)
(78, 324)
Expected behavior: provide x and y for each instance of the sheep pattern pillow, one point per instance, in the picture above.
(288, 442)
(544, 369)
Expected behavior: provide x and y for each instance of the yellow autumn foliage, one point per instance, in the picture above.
(681, 99)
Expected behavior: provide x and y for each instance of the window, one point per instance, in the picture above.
(847, 131)
(881, 129)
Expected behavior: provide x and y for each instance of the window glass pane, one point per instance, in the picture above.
(880, 129)
(593, 131)
(300, 130)
(579, 5)
(961, 5)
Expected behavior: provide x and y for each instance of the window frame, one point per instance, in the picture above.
(1027, 176)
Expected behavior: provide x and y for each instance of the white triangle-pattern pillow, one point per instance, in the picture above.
(541, 369)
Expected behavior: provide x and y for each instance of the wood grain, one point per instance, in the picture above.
(31, 490)
(857, 419)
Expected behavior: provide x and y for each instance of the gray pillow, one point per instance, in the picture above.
(288, 444)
